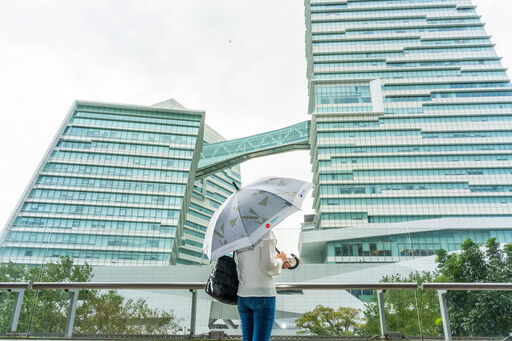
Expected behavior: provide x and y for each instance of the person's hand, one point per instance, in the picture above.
(282, 256)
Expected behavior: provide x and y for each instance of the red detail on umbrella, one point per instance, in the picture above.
(267, 226)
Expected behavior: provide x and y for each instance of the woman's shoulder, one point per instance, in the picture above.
(269, 236)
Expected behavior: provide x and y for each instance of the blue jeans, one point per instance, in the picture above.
(257, 317)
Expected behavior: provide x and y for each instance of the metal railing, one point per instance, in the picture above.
(74, 287)
(443, 288)
(19, 291)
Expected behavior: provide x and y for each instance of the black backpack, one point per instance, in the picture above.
(223, 281)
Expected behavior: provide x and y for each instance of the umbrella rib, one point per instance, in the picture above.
(242, 221)
(285, 200)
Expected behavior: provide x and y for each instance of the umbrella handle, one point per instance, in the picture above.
(295, 257)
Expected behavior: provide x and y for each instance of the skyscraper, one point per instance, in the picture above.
(411, 147)
(411, 130)
(117, 187)
(410, 139)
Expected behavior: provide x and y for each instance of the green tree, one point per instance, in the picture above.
(42, 311)
(507, 271)
(478, 313)
(45, 311)
(110, 313)
(327, 321)
(407, 311)
(472, 313)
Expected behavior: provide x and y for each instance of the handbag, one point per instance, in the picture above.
(222, 284)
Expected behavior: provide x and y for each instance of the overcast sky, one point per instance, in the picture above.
(241, 61)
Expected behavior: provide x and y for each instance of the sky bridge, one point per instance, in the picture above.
(218, 156)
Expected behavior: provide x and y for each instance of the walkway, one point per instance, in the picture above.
(222, 155)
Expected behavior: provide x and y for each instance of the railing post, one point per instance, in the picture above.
(444, 315)
(193, 312)
(382, 317)
(15, 315)
(73, 301)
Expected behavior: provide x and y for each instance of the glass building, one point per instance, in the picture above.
(411, 150)
(117, 187)
(410, 139)
(411, 130)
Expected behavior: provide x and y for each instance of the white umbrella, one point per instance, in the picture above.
(248, 214)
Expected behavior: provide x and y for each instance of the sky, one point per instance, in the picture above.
(243, 62)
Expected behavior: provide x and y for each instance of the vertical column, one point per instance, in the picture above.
(382, 317)
(73, 301)
(444, 315)
(193, 312)
(15, 315)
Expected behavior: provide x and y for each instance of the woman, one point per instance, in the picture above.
(256, 290)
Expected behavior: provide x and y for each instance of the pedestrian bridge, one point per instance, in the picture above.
(222, 155)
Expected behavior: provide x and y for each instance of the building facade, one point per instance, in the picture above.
(411, 151)
(117, 187)
(411, 140)
(207, 195)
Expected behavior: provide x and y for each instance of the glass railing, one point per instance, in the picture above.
(465, 295)
(175, 310)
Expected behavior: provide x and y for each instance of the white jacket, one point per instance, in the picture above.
(256, 266)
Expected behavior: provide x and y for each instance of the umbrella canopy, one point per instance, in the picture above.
(252, 211)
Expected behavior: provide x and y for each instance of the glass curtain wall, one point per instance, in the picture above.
(111, 190)
(412, 137)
